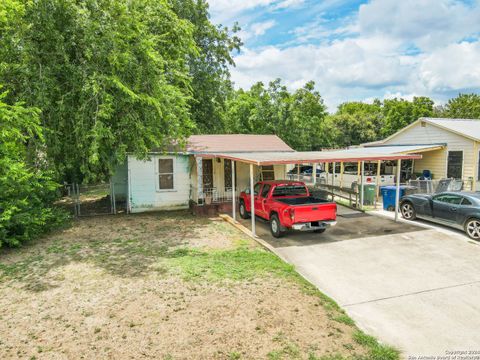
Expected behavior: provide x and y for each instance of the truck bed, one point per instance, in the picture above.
(303, 200)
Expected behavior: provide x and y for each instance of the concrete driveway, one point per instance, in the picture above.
(417, 289)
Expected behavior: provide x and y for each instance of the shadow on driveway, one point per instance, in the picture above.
(351, 224)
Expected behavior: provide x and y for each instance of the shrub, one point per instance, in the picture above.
(27, 191)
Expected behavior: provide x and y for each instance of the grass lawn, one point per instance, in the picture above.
(166, 286)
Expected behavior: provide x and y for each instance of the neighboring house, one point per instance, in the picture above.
(455, 147)
(180, 180)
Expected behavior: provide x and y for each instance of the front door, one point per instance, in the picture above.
(446, 206)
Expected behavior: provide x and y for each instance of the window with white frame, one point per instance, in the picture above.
(268, 172)
(165, 174)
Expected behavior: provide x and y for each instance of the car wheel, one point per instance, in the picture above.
(408, 211)
(472, 228)
(275, 226)
(243, 211)
(319, 231)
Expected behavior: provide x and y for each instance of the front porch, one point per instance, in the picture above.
(215, 180)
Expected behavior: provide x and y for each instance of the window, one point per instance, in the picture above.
(256, 189)
(265, 190)
(466, 202)
(268, 173)
(165, 174)
(455, 164)
(289, 190)
(449, 199)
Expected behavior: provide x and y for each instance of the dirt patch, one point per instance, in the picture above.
(163, 286)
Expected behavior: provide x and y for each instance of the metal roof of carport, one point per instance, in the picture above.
(299, 157)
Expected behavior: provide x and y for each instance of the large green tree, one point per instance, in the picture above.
(297, 117)
(464, 106)
(399, 113)
(355, 123)
(209, 69)
(110, 77)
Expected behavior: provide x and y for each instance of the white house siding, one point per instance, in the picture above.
(436, 161)
(143, 182)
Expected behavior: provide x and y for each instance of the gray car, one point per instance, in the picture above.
(460, 210)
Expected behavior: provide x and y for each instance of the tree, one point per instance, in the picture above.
(210, 68)
(296, 117)
(399, 113)
(464, 106)
(355, 123)
(304, 128)
(109, 76)
(28, 192)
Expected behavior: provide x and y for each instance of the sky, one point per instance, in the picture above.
(358, 50)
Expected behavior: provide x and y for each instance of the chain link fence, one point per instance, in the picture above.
(93, 199)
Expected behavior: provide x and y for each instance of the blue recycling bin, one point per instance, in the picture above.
(388, 196)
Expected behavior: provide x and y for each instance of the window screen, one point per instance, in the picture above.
(165, 174)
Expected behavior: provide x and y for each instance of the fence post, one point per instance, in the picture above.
(77, 202)
(113, 205)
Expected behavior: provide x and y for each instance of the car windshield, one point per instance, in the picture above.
(289, 190)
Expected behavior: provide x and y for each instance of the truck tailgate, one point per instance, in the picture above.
(316, 212)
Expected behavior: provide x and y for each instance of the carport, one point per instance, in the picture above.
(310, 157)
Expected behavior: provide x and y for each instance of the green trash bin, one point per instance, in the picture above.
(369, 194)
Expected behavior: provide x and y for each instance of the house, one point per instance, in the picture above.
(449, 147)
(182, 179)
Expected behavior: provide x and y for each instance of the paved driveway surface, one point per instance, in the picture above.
(415, 288)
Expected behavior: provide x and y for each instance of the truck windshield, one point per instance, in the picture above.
(289, 190)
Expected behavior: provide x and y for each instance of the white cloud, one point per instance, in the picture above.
(261, 27)
(426, 23)
(356, 69)
(389, 48)
(456, 66)
(228, 11)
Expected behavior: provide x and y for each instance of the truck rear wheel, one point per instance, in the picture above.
(275, 226)
(243, 210)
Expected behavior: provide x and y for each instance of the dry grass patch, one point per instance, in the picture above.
(165, 286)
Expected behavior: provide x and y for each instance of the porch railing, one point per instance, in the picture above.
(214, 195)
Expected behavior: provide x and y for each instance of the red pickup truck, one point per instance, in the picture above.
(288, 205)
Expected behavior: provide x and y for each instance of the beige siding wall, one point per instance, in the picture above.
(436, 161)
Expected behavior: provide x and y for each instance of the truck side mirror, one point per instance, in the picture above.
(247, 191)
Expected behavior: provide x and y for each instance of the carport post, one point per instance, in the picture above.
(377, 187)
(298, 172)
(252, 201)
(314, 173)
(333, 172)
(361, 183)
(234, 205)
(397, 190)
(341, 174)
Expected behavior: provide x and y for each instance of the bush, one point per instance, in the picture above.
(27, 191)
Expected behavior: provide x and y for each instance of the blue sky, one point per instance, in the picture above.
(358, 50)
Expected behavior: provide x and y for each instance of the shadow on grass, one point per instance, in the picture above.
(125, 246)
